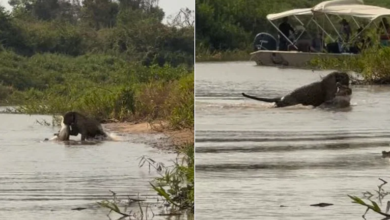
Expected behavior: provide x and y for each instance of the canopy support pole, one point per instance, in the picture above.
(299, 20)
(353, 38)
(383, 23)
(334, 27)
(323, 30)
(303, 26)
(357, 24)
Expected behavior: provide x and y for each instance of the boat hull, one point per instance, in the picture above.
(293, 59)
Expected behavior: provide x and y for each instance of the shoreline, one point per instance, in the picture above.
(222, 56)
(173, 140)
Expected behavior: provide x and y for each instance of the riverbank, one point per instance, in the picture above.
(203, 55)
(174, 140)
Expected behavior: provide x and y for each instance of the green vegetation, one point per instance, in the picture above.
(130, 29)
(175, 184)
(103, 86)
(113, 60)
(380, 195)
(223, 26)
(372, 63)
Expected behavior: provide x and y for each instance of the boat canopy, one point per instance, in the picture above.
(353, 8)
(326, 4)
(362, 11)
(294, 12)
(322, 7)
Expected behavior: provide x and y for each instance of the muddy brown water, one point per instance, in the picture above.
(252, 158)
(46, 180)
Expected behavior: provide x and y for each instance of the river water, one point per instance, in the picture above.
(258, 162)
(46, 180)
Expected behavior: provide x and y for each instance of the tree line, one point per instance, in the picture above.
(131, 29)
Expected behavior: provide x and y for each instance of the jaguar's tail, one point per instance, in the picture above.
(276, 100)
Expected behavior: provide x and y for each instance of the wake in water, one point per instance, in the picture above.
(242, 105)
(110, 137)
(245, 105)
(259, 106)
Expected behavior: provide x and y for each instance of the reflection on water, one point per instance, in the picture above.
(46, 179)
(253, 158)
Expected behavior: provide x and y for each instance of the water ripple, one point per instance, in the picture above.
(251, 158)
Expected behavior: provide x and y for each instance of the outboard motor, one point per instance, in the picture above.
(264, 41)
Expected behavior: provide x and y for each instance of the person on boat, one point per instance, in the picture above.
(345, 35)
(317, 43)
(345, 30)
(285, 28)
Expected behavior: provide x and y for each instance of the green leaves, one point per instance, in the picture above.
(161, 191)
(110, 205)
(374, 207)
(113, 207)
(176, 184)
(357, 200)
(381, 193)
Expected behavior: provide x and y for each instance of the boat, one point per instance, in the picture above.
(267, 53)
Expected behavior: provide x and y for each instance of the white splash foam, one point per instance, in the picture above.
(113, 137)
(54, 138)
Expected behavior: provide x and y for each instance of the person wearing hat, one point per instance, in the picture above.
(318, 42)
